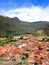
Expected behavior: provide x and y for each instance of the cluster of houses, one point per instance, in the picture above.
(30, 50)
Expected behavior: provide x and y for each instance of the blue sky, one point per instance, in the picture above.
(24, 9)
(9, 4)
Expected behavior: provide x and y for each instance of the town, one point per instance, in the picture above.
(25, 50)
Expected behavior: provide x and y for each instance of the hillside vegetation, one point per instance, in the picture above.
(11, 26)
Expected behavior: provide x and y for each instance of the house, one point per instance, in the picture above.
(31, 59)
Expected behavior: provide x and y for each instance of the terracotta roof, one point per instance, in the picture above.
(39, 59)
(43, 63)
(31, 55)
(30, 61)
(17, 55)
(18, 50)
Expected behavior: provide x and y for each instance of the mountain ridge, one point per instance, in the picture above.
(15, 25)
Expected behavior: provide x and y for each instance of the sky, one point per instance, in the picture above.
(25, 10)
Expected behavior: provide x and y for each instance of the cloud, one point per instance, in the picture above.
(30, 14)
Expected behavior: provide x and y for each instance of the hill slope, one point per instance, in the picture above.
(15, 25)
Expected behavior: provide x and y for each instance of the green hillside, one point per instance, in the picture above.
(14, 25)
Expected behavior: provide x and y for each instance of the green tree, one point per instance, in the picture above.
(46, 29)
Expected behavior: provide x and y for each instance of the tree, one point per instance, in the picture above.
(46, 29)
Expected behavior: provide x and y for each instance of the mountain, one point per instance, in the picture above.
(16, 19)
(14, 25)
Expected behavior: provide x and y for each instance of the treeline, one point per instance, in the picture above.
(46, 30)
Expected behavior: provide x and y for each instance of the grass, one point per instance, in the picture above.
(1, 59)
(2, 43)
